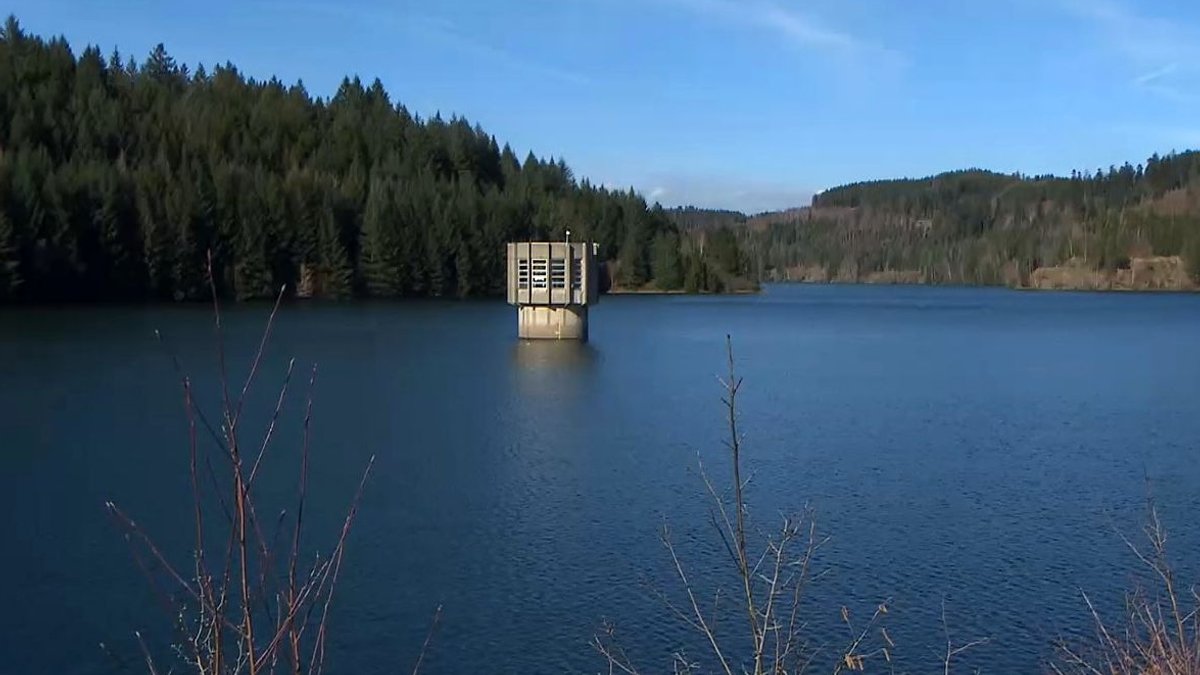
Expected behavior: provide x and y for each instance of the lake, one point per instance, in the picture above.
(980, 448)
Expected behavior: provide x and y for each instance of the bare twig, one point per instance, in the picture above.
(1161, 632)
(700, 620)
(606, 644)
(854, 657)
(232, 617)
(951, 649)
(771, 576)
(437, 616)
(146, 654)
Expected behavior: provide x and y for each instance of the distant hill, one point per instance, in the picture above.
(1127, 227)
(690, 218)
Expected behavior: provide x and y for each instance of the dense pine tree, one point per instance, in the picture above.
(331, 264)
(10, 276)
(118, 180)
(668, 267)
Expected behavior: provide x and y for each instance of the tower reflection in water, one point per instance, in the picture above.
(553, 355)
(552, 372)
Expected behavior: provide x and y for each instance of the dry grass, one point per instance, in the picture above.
(245, 603)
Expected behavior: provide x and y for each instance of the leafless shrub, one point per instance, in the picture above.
(1160, 634)
(247, 603)
(772, 572)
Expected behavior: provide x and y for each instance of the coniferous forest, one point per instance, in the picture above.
(119, 179)
(1128, 226)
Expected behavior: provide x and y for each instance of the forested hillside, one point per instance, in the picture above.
(690, 218)
(1125, 227)
(117, 179)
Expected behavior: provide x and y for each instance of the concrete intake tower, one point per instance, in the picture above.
(552, 284)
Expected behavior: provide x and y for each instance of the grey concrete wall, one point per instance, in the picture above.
(544, 273)
(552, 323)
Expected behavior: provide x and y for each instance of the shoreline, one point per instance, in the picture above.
(655, 291)
(1022, 288)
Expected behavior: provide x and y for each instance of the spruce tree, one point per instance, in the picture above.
(251, 267)
(124, 174)
(251, 273)
(464, 270)
(379, 245)
(158, 244)
(10, 272)
(336, 278)
(668, 268)
(632, 264)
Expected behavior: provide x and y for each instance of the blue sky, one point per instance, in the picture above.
(744, 104)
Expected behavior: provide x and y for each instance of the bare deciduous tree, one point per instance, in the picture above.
(772, 572)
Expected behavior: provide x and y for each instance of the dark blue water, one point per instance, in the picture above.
(977, 447)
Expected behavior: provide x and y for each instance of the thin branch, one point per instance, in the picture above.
(705, 629)
(262, 346)
(318, 659)
(179, 371)
(437, 616)
(146, 654)
(951, 650)
(262, 450)
(739, 504)
(616, 657)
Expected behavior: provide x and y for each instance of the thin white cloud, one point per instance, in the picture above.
(1169, 137)
(713, 191)
(800, 28)
(437, 29)
(795, 27)
(1156, 74)
(1140, 37)
(1165, 53)
(445, 32)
